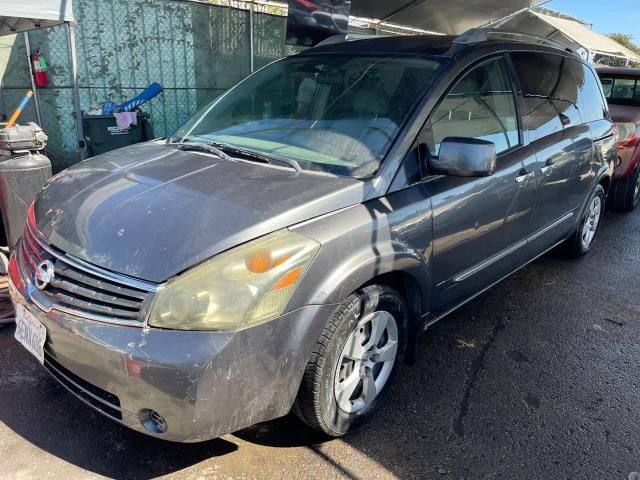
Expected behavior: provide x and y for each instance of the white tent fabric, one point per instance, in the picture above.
(22, 15)
(590, 40)
(444, 16)
(568, 32)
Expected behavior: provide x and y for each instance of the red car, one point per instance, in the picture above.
(621, 86)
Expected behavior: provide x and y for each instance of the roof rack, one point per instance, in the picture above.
(483, 34)
(350, 37)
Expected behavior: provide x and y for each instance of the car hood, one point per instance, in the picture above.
(151, 211)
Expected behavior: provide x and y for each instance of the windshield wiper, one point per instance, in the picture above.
(203, 147)
(252, 154)
(221, 149)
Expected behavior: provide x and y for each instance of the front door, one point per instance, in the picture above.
(480, 224)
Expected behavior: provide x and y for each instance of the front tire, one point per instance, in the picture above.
(582, 239)
(354, 361)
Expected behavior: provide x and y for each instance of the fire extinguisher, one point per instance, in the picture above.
(39, 70)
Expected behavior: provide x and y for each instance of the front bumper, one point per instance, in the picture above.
(204, 384)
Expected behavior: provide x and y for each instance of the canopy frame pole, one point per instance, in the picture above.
(76, 89)
(251, 39)
(499, 21)
(36, 96)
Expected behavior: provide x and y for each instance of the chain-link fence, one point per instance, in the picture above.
(195, 49)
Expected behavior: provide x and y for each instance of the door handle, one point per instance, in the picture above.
(524, 177)
(548, 168)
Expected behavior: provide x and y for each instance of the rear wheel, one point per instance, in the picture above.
(580, 242)
(625, 192)
(354, 361)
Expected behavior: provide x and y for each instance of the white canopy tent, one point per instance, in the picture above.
(451, 17)
(23, 15)
(568, 32)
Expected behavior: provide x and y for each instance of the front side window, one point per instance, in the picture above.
(481, 105)
(332, 113)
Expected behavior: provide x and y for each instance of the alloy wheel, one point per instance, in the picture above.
(366, 361)
(591, 222)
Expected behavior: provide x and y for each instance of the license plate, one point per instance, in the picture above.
(30, 332)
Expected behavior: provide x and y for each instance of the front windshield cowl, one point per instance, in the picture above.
(330, 113)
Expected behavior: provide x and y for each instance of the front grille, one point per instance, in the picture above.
(82, 289)
(100, 399)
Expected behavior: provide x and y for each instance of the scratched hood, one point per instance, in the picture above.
(151, 211)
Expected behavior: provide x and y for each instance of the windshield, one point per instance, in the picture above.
(621, 91)
(332, 113)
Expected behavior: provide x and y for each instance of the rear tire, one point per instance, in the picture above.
(625, 192)
(582, 239)
(354, 361)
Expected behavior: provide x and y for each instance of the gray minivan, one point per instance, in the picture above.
(287, 245)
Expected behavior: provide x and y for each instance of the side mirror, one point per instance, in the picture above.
(465, 157)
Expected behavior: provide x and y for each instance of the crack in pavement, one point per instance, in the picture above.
(476, 367)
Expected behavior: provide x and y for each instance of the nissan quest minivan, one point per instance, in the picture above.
(287, 245)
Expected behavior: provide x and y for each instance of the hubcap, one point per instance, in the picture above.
(636, 190)
(591, 223)
(366, 361)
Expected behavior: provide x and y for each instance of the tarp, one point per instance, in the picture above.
(443, 16)
(22, 15)
(568, 32)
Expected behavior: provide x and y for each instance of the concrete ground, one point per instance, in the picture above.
(537, 378)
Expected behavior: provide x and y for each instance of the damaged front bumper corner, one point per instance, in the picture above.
(201, 384)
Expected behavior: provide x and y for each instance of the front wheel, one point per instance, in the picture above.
(580, 242)
(354, 361)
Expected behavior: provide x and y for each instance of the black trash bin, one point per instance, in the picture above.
(101, 133)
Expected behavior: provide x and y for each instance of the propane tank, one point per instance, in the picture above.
(39, 70)
(23, 172)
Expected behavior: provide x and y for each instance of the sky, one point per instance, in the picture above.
(607, 16)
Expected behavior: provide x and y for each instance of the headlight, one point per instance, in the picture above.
(244, 286)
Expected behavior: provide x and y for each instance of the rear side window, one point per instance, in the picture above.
(481, 105)
(547, 75)
(592, 105)
(557, 91)
(621, 91)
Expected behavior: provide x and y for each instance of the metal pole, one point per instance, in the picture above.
(2, 112)
(251, 52)
(36, 97)
(76, 89)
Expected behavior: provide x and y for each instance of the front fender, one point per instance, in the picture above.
(388, 235)
(367, 263)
